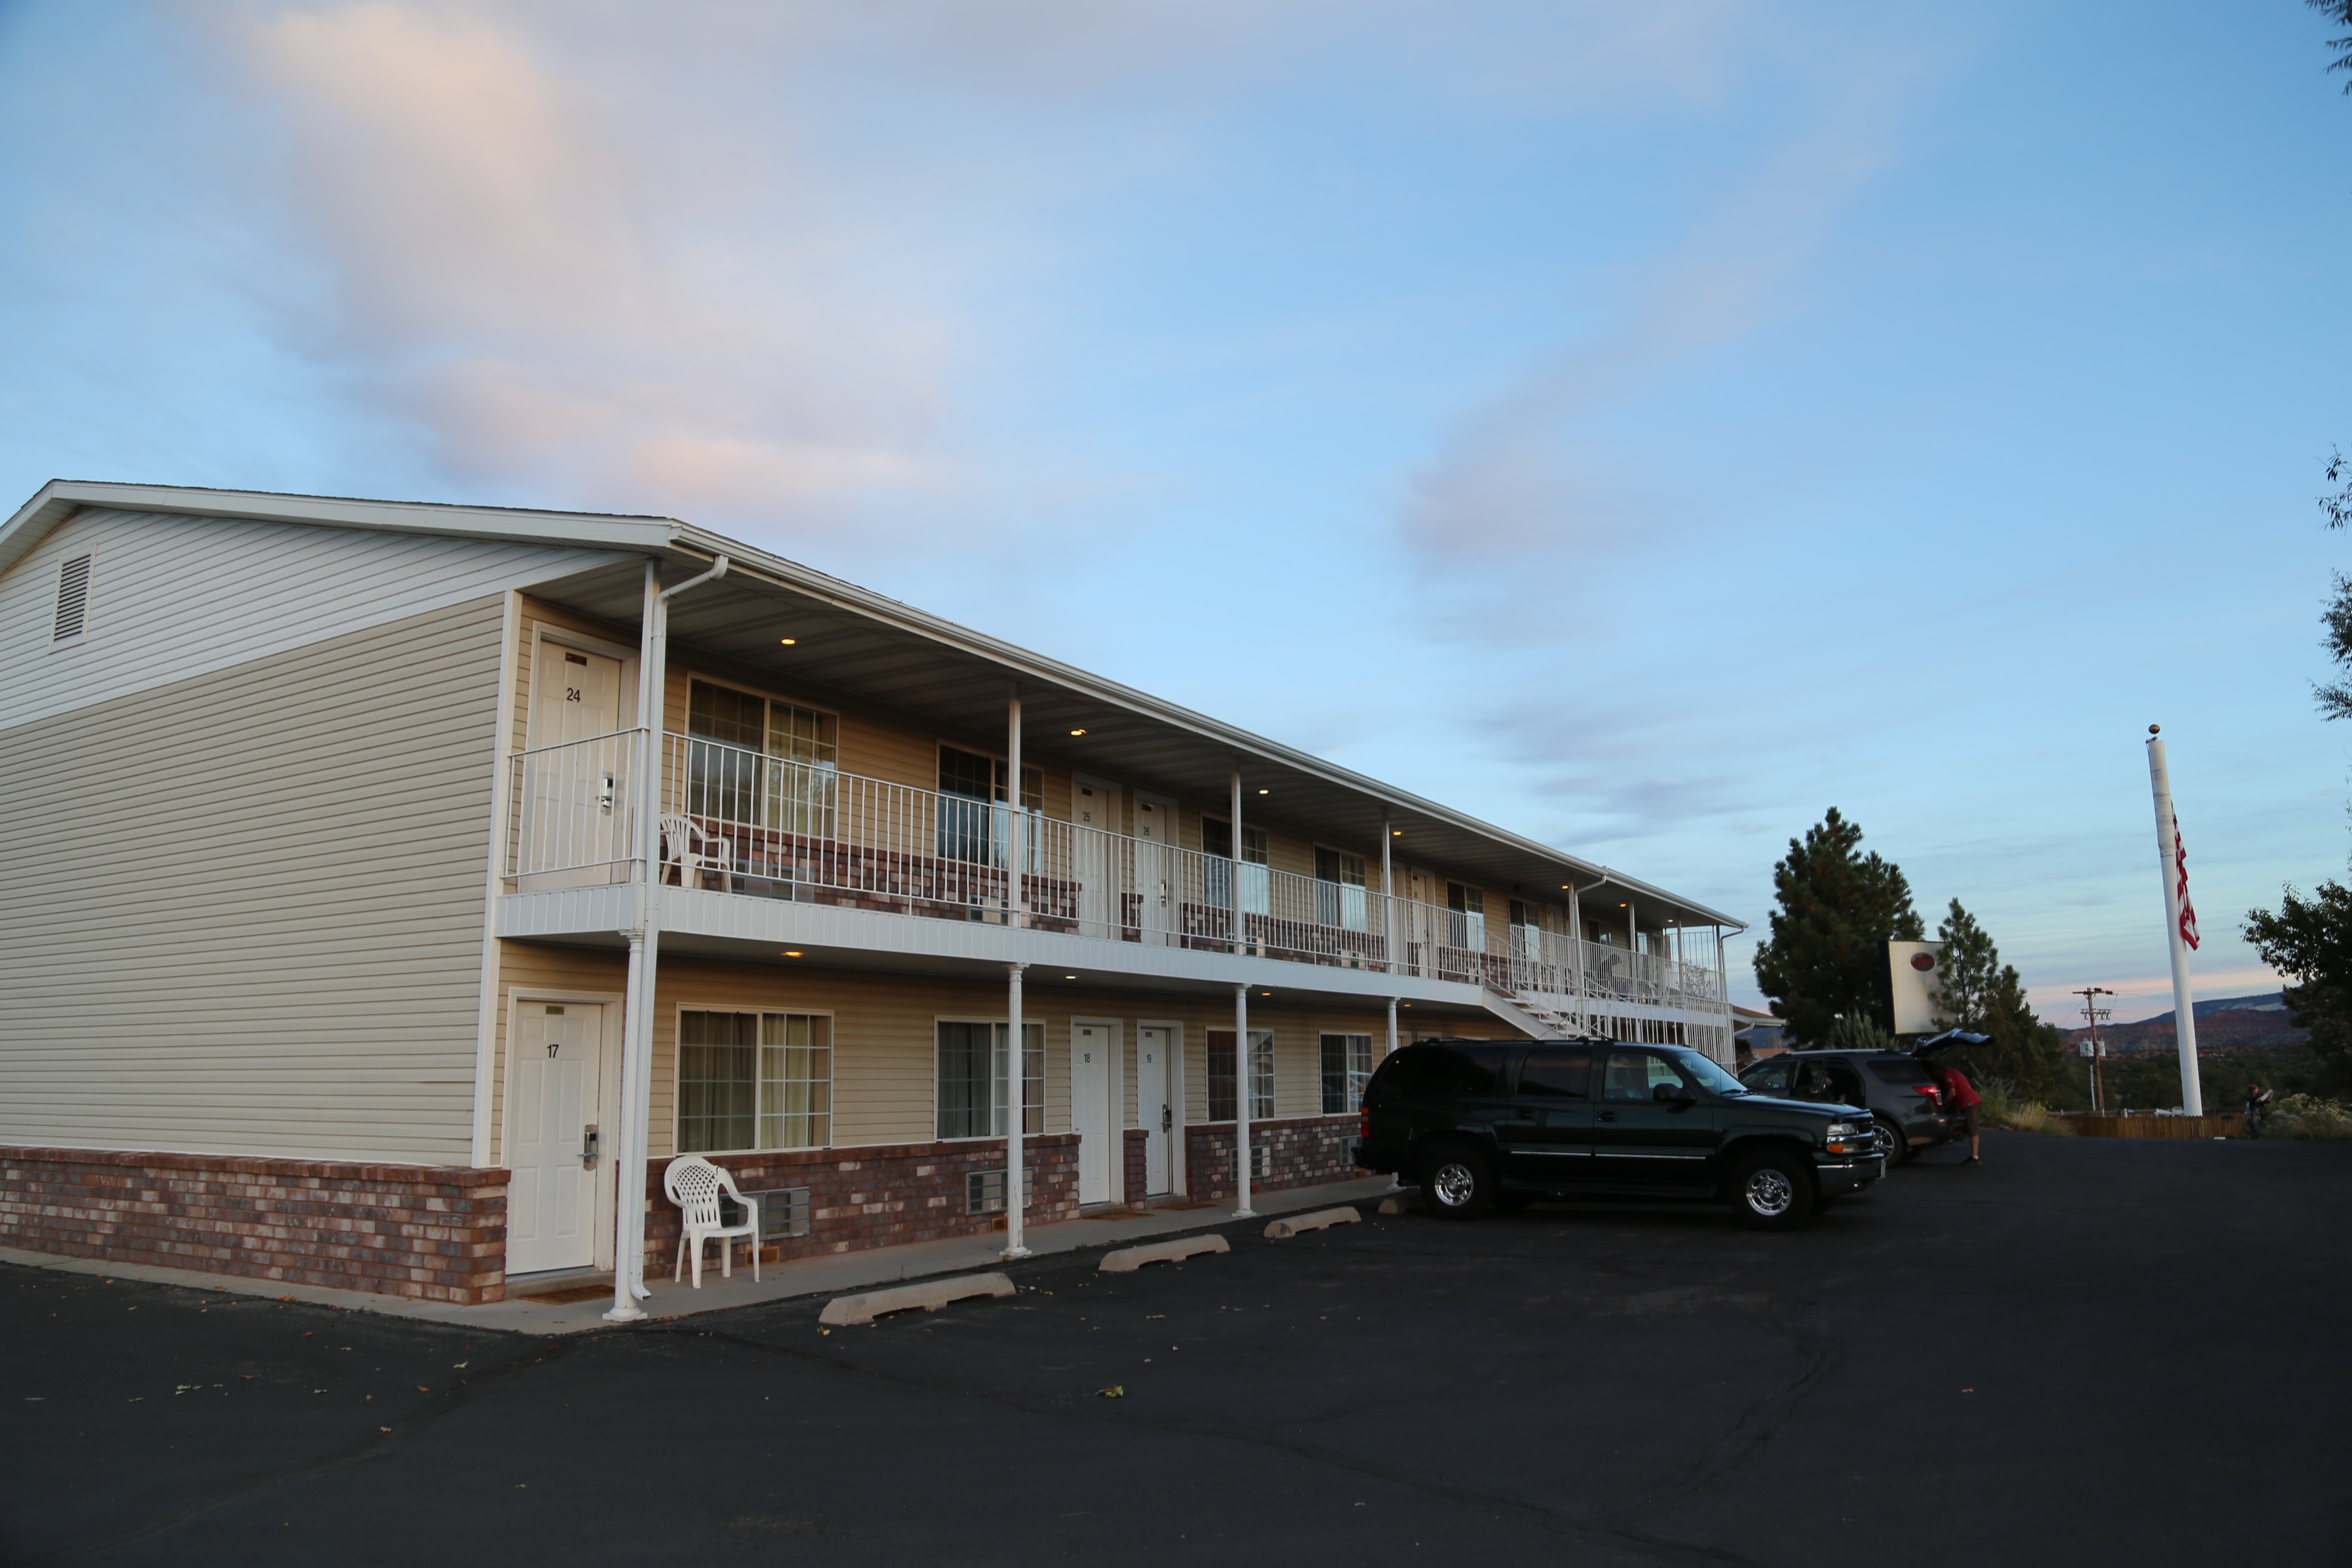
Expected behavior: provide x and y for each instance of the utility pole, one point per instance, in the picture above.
(2094, 1013)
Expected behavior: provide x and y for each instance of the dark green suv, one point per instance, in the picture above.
(1483, 1122)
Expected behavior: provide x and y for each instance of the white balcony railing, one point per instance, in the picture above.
(737, 821)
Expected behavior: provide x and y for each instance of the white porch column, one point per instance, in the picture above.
(1016, 1085)
(1016, 903)
(1388, 915)
(1576, 960)
(1239, 922)
(631, 1141)
(637, 1004)
(1241, 1028)
(1393, 1183)
(1723, 999)
(1242, 1097)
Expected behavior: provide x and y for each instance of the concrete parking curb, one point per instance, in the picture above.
(1305, 1222)
(1403, 1202)
(1127, 1259)
(931, 1296)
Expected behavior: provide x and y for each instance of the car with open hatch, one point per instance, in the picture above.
(1904, 1095)
(1487, 1123)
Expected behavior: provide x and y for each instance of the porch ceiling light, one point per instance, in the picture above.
(1265, 792)
(1077, 731)
(1069, 977)
(789, 642)
(791, 953)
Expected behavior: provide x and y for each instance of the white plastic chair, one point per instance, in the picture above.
(689, 845)
(694, 1185)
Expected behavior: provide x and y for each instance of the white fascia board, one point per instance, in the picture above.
(60, 498)
(773, 925)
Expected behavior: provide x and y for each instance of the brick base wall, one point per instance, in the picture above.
(438, 1233)
(1303, 1151)
(1131, 1149)
(876, 1197)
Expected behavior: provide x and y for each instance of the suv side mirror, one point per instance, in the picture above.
(1672, 1094)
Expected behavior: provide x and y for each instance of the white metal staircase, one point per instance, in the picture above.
(1533, 1014)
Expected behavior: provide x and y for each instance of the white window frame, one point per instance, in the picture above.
(677, 1063)
(1045, 1048)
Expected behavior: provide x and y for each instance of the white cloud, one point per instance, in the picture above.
(571, 285)
(750, 260)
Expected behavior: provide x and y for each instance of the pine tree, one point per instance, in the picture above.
(1857, 1032)
(2310, 942)
(1972, 971)
(1985, 997)
(1838, 910)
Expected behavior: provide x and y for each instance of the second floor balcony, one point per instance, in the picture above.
(732, 820)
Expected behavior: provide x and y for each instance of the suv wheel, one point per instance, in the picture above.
(1773, 1192)
(1894, 1145)
(1456, 1182)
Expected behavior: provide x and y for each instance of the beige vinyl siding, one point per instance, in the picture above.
(884, 1033)
(174, 597)
(241, 913)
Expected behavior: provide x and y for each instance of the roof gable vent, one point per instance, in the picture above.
(73, 599)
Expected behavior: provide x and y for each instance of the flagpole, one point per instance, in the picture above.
(2180, 920)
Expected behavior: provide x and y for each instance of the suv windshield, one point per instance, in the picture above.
(1706, 1072)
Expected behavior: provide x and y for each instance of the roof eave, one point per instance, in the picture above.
(61, 498)
(1025, 664)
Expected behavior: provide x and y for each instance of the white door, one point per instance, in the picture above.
(553, 1092)
(1097, 856)
(1152, 1106)
(574, 770)
(1090, 1117)
(575, 696)
(1157, 865)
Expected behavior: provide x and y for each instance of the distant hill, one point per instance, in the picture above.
(2257, 1020)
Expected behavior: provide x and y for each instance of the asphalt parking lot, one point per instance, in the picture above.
(2085, 1351)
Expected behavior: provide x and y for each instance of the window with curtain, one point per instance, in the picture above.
(974, 824)
(1257, 881)
(1347, 1067)
(1223, 1075)
(753, 1081)
(970, 1076)
(758, 762)
(1339, 890)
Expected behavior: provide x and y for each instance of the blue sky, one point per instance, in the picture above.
(1645, 424)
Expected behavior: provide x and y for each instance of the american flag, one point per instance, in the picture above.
(2181, 887)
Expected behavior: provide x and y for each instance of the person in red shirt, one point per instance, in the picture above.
(1959, 1091)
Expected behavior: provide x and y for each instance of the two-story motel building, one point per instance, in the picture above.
(344, 835)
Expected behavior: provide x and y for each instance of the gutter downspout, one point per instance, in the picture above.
(645, 949)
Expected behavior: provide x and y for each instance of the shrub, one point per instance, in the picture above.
(2307, 1116)
(2005, 1105)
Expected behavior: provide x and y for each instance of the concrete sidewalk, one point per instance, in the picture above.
(779, 1282)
